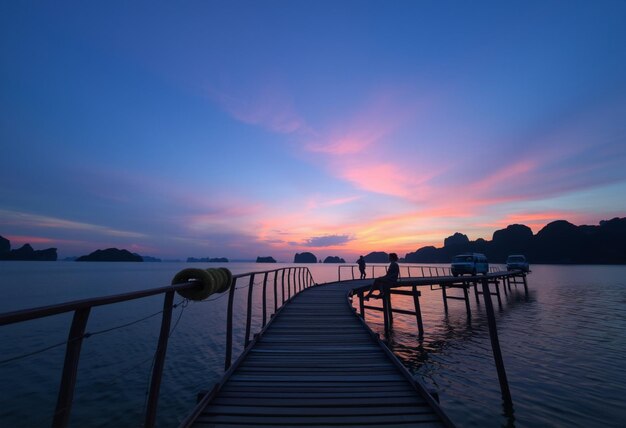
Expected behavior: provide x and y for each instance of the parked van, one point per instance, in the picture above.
(471, 264)
(517, 261)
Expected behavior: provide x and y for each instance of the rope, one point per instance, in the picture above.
(87, 335)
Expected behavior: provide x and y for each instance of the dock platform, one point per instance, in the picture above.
(317, 364)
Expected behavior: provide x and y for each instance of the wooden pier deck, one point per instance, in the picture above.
(317, 364)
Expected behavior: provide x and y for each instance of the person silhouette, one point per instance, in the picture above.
(361, 263)
(391, 277)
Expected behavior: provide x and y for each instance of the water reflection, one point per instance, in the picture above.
(449, 334)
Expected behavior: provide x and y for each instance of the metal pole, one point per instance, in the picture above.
(495, 345)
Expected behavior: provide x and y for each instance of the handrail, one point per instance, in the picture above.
(409, 269)
(302, 279)
(424, 271)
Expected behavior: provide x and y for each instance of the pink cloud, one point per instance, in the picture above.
(268, 106)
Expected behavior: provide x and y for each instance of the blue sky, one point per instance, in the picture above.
(241, 129)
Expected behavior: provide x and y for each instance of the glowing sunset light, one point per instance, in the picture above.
(240, 130)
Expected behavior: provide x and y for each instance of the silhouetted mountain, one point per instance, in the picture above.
(377, 257)
(334, 259)
(5, 245)
(305, 257)
(265, 260)
(558, 242)
(25, 252)
(111, 255)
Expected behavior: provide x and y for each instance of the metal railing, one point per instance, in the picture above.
(292, 281)
(406, 271)
(411, 271)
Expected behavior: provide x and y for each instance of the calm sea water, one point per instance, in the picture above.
(563, 343)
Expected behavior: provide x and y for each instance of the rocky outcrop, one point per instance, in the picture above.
(265, 260)
(334, 259)
(25, 252)
(376, 257)
(305, 257)
(111, 255)
(558, 242)
(5, 245)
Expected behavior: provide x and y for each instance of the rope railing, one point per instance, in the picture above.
(191, 284)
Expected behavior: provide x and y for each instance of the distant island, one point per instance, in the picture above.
(305, 257)
(207, 260)
(111, 255)
(334, 259)
(559, 242)
(25, 252)
(265, 260)
(377, 257)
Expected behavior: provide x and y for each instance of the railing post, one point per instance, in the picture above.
(229, 326)
(495, 345)
(159, 361)
(249, 310)
(264, 298)
(445, 297)
(352, 268)
(289, 283)
(339, 273)
(275, 291)
(70, 368)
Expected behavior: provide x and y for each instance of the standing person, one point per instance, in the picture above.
(391, 277)
(361, 263)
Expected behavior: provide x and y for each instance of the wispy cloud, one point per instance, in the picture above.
(14, 218)
(327, 241)
(267, 105)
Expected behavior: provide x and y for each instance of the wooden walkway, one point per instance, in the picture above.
(317, 364)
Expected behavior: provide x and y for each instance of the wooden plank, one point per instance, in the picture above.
(318, 411)
(317, 365)
(319, 419)
(319, 401)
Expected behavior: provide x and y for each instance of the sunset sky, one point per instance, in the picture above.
(244, 129)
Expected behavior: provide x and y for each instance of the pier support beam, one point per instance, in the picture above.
(495, 345)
